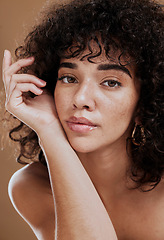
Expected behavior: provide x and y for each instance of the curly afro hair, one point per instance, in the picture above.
(135, 28)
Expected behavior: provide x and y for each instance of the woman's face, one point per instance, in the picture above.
(96, 103)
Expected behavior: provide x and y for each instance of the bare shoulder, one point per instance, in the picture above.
(31, 195)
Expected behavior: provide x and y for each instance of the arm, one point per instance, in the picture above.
(79, 210)
(80, 213)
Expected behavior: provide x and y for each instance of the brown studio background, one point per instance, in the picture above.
(15, 18)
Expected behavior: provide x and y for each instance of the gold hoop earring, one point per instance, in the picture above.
(139, 138)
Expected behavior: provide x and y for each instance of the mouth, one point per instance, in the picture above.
(80, 125)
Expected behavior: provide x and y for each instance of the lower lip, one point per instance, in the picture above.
(80, 128)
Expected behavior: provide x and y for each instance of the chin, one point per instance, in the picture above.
(81, 146)
(82, 149)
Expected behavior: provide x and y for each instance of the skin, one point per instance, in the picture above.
(105, 97)
(85, 187)
(97, 95)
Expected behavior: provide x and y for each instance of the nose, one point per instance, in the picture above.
(84, 97)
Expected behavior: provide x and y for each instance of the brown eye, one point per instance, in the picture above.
(67, 79)
(111, 83)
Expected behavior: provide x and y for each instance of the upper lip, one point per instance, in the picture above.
(80, 120)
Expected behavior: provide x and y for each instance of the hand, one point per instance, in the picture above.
(37, 112)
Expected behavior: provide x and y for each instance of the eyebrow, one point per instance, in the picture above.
(68, 65)
(114, 67)
(100, 67)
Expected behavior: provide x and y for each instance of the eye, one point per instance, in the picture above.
(68, 79)
(111, 83)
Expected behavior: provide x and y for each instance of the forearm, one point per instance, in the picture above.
(80, 212)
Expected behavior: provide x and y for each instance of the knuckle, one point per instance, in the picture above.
(18, 86)
(5, 72)
(14, 77)
(19, 65)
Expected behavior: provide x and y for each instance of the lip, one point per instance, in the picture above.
(80, 124)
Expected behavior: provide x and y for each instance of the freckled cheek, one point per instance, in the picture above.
(58, 101)
(121, 109)
(62, 101)
(128, 107)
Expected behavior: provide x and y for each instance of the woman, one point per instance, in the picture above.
(88, 84)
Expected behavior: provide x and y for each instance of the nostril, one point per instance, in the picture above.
(85, 106)
(81, 107)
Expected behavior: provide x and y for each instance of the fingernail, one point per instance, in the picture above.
(5, 52)
(43, 82)
(30, 58)
(40, 91)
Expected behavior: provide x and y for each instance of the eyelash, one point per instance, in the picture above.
(72, 78)
(114, 83)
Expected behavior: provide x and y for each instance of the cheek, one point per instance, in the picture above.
(58, 100)
(126, 109)
(62, 101)
(121, 110)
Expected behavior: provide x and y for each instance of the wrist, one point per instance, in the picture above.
(51, 134)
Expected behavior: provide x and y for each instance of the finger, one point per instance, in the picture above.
(7, 60)
(9, 69)
(17, 66)
(16, 97)
(26, 87)
(24, 78)
(27, 78)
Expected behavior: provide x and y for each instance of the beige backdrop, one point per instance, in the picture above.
(15, 17)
